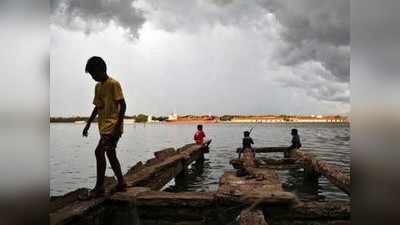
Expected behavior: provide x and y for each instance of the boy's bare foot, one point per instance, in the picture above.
(94, 193)
(121, 187)
(97, 192)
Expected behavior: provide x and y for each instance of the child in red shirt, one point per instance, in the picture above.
(199, 135)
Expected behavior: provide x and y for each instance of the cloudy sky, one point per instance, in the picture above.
(204, 56)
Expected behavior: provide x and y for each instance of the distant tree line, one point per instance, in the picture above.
(285, 117)
(69, 119)
(226, 118)
(141, 118)
(160, 118)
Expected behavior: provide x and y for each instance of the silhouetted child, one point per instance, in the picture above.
(199, 135)
(246, 143)
(110, 107)
(296, 144)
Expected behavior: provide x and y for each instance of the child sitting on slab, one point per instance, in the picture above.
(246, 143)
(199, 135)
(296, 144)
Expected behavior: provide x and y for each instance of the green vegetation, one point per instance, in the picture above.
(338, 117)
(160, 118)
(285, 117)
(141, 118)
(68, 119)
(226, 118)
(77, 118)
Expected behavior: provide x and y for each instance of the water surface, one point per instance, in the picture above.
(73, 165)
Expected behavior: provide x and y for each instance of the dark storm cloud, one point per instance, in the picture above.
(315, 81)
(277, 37)
(310, 30)
(91, 15)
(314, 30)
(192, 16)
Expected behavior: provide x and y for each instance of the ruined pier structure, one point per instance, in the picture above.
(251, 194)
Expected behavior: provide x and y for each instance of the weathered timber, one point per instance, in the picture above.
(259, 185)
(267, 149)
(290, 153)
(68, 209)
(162, 154)
(138, 166)
(206, 145)
(331, 172)
(252, 217)
(236, 163)
(75, 211)
(240, 190)
(183, 205)
(273, 164)
(312, 222)
(311, 211)
(165, 206)
(257, 195)
(248, 159)
(57, 202)
(284, 161)
(146, 197)
(155, 173)
(281, 167)
(157, 222)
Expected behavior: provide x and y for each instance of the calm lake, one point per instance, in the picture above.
(73, 165)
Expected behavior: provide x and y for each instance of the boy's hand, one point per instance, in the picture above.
(85, 131)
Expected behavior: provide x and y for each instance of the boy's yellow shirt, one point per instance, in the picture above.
(106, 95)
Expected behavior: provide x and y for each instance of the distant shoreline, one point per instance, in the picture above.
(218, 122)
(209, 119)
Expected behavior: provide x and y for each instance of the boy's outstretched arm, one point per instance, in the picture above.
(92, 116)
(121, 115)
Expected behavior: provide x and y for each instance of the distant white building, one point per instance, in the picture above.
(150, 119)
(173, 116)
(129, 121)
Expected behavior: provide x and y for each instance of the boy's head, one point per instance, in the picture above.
(246, 133)
(199, 127)
(97, 68)
(294, 131)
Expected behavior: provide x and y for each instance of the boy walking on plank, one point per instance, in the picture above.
(110, 107)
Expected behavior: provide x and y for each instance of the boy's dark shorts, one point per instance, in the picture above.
(107, 141)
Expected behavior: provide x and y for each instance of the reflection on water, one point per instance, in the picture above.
(72, 160)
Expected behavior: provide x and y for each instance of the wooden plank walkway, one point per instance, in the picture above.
(253, 190)
(258, 184)
(267, 149)
(155, 173)
(252, 217)
(146, 197)
(333, 173)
